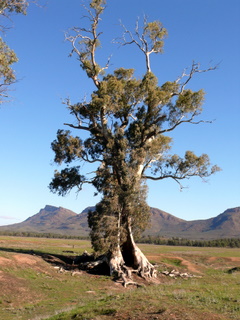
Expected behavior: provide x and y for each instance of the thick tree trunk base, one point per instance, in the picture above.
(127, 274)
(120, 270)
(144, 268)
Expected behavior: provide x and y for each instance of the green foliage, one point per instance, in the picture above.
(104, 231)
(189, 101)
(66, 147)
(18, 6)
(156, 33)
(98, 5)
(219, 243)
(8, 56)
(7, 76)
(65, 180)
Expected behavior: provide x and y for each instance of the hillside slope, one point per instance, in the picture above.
(66, 222)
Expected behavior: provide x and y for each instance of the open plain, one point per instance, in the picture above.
(32, 288)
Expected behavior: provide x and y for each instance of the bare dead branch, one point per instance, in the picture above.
(146, 38)
(195, 68)
(140, 42)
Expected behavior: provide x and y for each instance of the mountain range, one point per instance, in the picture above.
(62, 221)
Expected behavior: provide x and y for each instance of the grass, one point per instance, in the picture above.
(33, 289)
(202, 251)
(172, 261)
(44, 245)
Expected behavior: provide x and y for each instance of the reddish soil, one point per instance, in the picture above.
(185, 264)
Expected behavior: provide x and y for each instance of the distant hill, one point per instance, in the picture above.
(54, 220)
(225, 225)
(66, 222)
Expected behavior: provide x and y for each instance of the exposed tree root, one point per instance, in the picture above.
(145, 268)
(127, 281)
(113, 265)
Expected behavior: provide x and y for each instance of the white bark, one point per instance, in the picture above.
(116, 263)
(140, 170)
(144, 267)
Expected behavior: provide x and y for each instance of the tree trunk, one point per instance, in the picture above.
(116, 262)
(129, 259)
(134, 257)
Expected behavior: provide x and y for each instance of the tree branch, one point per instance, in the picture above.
(195, 68)
(149, 40)
(185, 121)
(77, 126)
(176, 179)
(86, 158)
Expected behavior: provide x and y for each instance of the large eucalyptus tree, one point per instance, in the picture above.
(127, 122)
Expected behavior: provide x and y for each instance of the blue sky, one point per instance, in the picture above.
(206, 31)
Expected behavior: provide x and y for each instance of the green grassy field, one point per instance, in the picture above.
(33, 289)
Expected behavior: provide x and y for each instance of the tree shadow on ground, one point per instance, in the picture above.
(66, 262)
